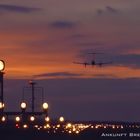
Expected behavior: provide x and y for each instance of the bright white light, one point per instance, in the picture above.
(48, 126)
(58, 126)
(32, 118)
(17, 119)
(1, 105)
(47, 119)
(69, 125)
(25, 126)
(74, 129)
(77, 132)
(45, 106)
(3, 119)
(61, 119)
(23, 105)
(2, 65)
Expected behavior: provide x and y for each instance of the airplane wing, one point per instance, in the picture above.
(103, 63)
(82, 63)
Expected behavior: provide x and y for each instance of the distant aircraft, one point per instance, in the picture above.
(93, 62)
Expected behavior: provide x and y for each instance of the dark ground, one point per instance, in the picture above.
(88, 134)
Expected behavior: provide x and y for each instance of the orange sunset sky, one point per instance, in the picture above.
(47, 36)
(40, 40)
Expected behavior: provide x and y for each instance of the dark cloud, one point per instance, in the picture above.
(105, 76)
(18, 9)
(131, 60)
(57, 74)
(62, 24)
(99, 11)
(111, 9)
(106, 10)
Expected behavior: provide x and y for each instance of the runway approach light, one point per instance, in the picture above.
(1, 105)
(69, 125)
(2, 65)
(3, 119)
(61, 119)
(32, 118)
(45, 106)
(47, 119)
(17, 119)
(23, 105)
(25, 126)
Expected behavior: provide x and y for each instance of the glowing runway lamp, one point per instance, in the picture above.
(32, 118)
(3, 119)
(69, 125)
(17, 119)
(1, 105)
(2, 65)
(45, 107)
(25, 126)
(61, 119)
(23, 106)
(47, 119)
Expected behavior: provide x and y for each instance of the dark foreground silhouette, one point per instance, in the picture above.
(88, 134)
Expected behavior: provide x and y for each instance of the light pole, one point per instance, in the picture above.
(45, 108)
(32, 83)
(2, 67)
(33, 94)
(23, 106)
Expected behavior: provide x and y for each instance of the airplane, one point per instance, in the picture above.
(93, 62)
